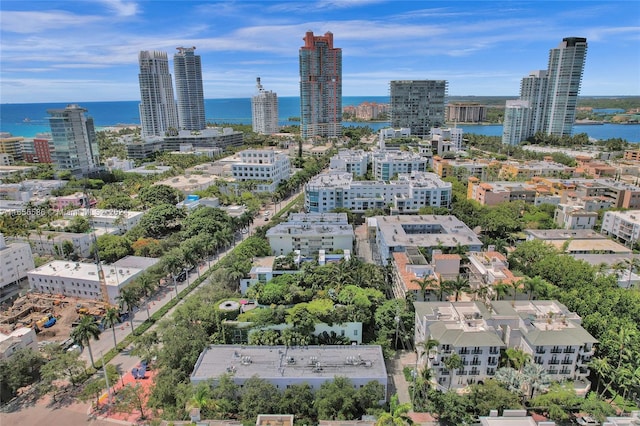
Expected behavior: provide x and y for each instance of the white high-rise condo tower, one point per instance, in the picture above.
(158, 111)
(551, 94)
(264, 111)
(188, 70)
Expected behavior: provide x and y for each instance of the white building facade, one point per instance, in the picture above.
(387, 164)
(264, 111)
(351, 161)
(408, 194)
(544, 329)
(16, 260)
(76, 279)
(623, 225)
(452, 134)
(266, 166)
(310, 233)
(158, 111)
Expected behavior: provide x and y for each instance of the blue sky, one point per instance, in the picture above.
(63, 51)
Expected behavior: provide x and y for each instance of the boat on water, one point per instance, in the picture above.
(589, 122)
(26, 120)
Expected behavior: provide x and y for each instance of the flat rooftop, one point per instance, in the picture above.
(425, 231)
(274, 362)
(85, 271)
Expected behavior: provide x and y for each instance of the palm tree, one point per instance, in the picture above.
(83, 333)
(452, 363)
(457, 286)
(426, 346)
(517, 358)
(533, 285)
(500, 290)
(535, 377)
(425, 283)
(129, 298)
(111, 318)
(515, 286)
(397, 414)
(602, 368)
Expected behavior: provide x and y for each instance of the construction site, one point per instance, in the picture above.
(51, 315)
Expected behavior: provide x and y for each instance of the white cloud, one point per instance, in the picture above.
(121, 7)
(37, 22)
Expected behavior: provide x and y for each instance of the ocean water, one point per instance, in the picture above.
(30, 119)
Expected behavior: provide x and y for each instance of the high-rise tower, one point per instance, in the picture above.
(188, 71)
(157, 107)
(566, 64)
(320, 87)
(417, 104)
(75, 147)
(264, 111)
(551, 94)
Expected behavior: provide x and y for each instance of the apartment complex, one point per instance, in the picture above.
(108, 221)
(623, 225)
(418, 104)
(213, 137)
(544, 329)
(38, 149)
(20, 338)
(74, 140)
(266, 167)
(387, 164)
(187, 68)
(466, 112)
(11, 147)
(311, 232)
(396, 233)
(447, 134)
(367, 111)
(548, 97)
(407, 194)
(492, 193)
(284, 366)
(16, 260)
(78, 279)
(158, 111)
(320, 87)
(578, 241)
(50, 243)
(351, 161)
(574, 216)
(462, 169)
(618, 194)
(264, 111)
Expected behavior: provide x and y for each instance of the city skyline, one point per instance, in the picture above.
(75, 51)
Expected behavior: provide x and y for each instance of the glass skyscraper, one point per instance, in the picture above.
(552, 94)
(158, 111)
(75, 147)
(188, 71)
(320, 87)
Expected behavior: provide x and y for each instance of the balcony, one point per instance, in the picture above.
(553, 371)
(565, 371)
(554, 362)
(569, 350)
(474, 373)
(476, 362)
(476, 352)
(540, 351)
(556, 350)
(494, 351)
(463, 352)
(567, 361)
(493, 362)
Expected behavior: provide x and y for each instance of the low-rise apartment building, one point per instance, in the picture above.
(623, 225)
(618, 193)
(462, 169)
(544, 329)
(51, 243)
(440, 232)
(310, 233)
(108, 221)
(20, 338)
(450, 134)
(284, 366)
(577, 241)
(492, 193)
(78, 279)
(387, 164)
(407, 194)
(530, 169)
(16, 260)
(350, 161)
(574, 216)
(266, 167)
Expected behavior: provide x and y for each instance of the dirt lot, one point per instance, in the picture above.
(27, 310)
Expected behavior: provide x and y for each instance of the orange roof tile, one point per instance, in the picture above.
(443, 256)
(401, 261)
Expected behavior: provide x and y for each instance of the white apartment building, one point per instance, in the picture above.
(570, 216)
(396, 233)
(387, 164)
(50, 243)
(351, 161)
(264, 111)
(408, 194)
(77, 279)
(286, 366)
(109, 221)
(625, 226)
(15, 261)
(19, 338)
(516, 122)
(310, 233)
(265, 166)
(390, 133)
(451, 134)
(544, 329)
